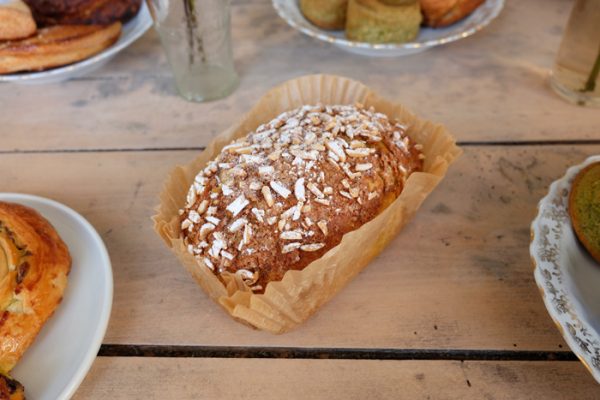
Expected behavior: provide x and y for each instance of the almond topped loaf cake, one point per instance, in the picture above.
(282, 196)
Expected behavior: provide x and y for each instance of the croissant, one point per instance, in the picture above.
(34, 264)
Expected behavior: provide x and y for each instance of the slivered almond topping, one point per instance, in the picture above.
(306, 208)
(290, 247)
(238, 205)
(259, 214)
(227, 255)
(271, 220)
(247, 234)
(208, 263)
(322, 201)
(274, 156)
(372, 195)
(299, 191)
(318, 147)
(280, 189)
(335, 147)
(354, 192)
(237, 225)
(330, 125)
(194, 216)
(186, 224)
(357, 144)
(224, 165)
(254, 185)
(213, 220)
(364, 167)
(328, 190)
(202, 206)
(211, 211)
(361, 152)
(315, 190)
(345, 194)
(297, 211)
(308, 221)
(291, 235)
(345, 183)
(266, 170)
(243, 150)
(289, 212)
(323, 226)
(266, 192)
(206, 229)
(312, 247)
(418, 146)
(281, 224)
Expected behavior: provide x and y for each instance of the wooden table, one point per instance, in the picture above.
(464, 318)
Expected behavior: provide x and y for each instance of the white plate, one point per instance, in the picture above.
(58, 360)
(568, 278)
(132, 30)
(289, 10)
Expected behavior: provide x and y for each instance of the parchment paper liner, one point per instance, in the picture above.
(287, 303)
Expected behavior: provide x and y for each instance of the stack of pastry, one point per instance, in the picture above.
(385, 21)
(70, 31)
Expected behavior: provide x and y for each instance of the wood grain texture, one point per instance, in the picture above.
(491, 86)
(458, 277)
(151, 378)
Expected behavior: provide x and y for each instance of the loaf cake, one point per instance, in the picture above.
(326, 14)
(375, 22)
(584, 208)
(282, 196)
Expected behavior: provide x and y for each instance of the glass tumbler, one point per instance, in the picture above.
(196, 36)
(575, 76)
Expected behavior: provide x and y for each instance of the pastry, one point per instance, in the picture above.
(34, 263)
(281, 197)
(584, 208)
(399, 2)
(326, 14)
(439, 13)
(83, 12)
(16, 21)
(55, 46)
(10, 389)
(375, 22)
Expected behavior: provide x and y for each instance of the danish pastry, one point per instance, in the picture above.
(34, 263)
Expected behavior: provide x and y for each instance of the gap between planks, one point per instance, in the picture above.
(182, 351)
(201, 148)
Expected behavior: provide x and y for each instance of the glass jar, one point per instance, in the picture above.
(196, 36)
(575, 76)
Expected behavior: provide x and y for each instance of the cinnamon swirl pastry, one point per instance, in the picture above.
(34, 263)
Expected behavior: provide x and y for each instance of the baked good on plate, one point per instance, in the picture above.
(326, 14)
(16, 21)
(83, 12)
(281, 197)
(10, 389)
(440, 13)
(584, 208)
(375, 22)
(56, 46)
(34, 263)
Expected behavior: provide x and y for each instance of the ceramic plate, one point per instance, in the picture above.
(132, 30)
(58, 360)
(289, 10)
(568, 278)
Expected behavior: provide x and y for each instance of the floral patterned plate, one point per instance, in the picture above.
(568, 278)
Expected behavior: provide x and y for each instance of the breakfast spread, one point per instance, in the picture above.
(385, 21)
(285, 194)
(34, 264)
(584, 208)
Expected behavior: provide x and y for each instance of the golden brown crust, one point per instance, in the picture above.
(326, 14)
(56, 46)
(439, 13)
(281, 197)
(583, 223)
(83, 12)
(16, 21)
(34, 263)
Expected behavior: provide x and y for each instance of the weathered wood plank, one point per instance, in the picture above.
(214, 378)
(491, 86)
(458, 277)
